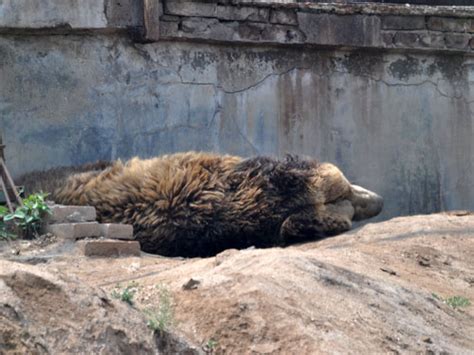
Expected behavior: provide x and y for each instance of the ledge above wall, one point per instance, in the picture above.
(439, 28)
(337, 25)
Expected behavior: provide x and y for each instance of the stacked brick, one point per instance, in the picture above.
(78, 223)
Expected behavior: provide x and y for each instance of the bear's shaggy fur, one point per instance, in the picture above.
(198, 204)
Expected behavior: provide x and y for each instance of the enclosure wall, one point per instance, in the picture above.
(397, 119)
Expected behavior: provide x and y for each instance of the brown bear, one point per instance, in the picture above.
(198, 204)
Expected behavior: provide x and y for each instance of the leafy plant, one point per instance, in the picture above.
(457, 301)
(454, 302)
(29, 216)
(5, 233)
(126, 295)
(161, 318)
(210, 346)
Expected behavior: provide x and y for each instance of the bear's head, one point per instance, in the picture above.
(338, 195)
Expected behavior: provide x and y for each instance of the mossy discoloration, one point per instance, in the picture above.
(404, 69)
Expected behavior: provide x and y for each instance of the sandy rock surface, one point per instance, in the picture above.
(382, 288)
(45, 313)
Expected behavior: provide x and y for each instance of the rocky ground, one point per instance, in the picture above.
(400, 286)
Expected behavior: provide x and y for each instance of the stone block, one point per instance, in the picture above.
(403, 22)
(109, 248)
(387, 38)
(407, 39)
(70, 214)
(447, 24)
(190, 9)
(282, 34)
(169, 29)
(457, 40)
(244, 13)
(75, 230)
(209, 29)
(432, 40)
(116, 231)
(198, 25)
(330, 29)
(284, 17)
(471, 43)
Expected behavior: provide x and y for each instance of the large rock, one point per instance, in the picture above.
(42, 313)
(379, 289)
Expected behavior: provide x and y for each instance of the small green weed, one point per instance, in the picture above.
(28, 218)
(210, 346)
(454, 302)
(126, 294)
(160, 319)
(458, 302)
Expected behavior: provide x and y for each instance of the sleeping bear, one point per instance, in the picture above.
(198, 204)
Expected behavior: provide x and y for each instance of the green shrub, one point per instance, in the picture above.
(28, 218)
(5, 233)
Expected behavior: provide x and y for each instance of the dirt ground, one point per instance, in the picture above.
(384, 288)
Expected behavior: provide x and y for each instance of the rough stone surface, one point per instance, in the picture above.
(403, 22)
(109, 248)
(407, 39)
(41, 312)
(284, 17)
(244, 13)
(432, 39)
(123, 13)
(446, 24)
(356, 30)
(380, 289)
(459, 41)
(48, 312)
(190, 8)
(116, 231)
(69, 214)
(75, 230)
(53, 13)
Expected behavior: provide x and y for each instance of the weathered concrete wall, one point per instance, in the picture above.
(398, 122)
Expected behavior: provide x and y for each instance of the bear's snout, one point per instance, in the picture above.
(366, 203)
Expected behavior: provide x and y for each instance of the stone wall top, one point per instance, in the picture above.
(425, 28)
(340, 25)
